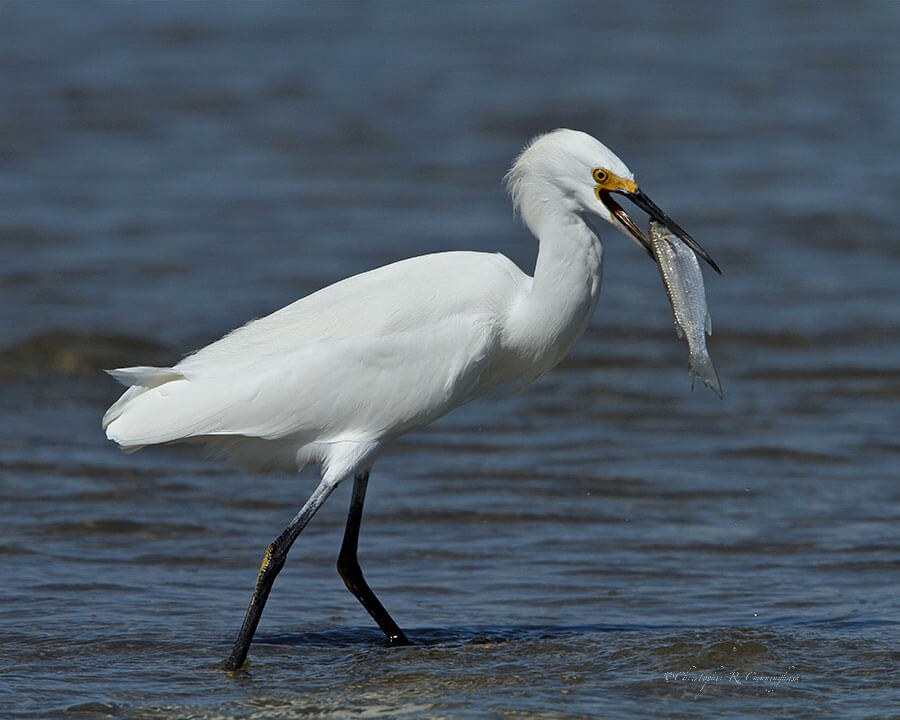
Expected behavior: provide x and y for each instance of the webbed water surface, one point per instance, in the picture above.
(606, 544)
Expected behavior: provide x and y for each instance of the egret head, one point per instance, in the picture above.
(568, 171)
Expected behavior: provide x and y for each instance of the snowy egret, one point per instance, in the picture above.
(334, 376)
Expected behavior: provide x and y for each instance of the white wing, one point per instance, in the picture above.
(367, 358)
(419, 292)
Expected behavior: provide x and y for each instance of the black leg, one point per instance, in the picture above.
(348, 567)
(272, 563)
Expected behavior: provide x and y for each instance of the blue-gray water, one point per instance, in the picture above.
(606, 544)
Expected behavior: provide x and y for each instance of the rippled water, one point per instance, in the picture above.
(606, 544)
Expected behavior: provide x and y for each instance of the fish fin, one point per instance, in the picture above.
(708, 324)
(702, 365)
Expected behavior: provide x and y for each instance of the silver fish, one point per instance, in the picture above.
(684, 285)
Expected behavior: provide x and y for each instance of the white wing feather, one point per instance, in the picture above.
(328, 391)
(330, 367)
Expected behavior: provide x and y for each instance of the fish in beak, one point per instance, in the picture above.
(638, 197)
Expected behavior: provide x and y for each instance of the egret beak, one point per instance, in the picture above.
(653, 210)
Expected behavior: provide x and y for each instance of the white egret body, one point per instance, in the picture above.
(332, 377)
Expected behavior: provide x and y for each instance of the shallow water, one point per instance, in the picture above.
(606, 544)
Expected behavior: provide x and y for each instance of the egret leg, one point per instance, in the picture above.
(350, 572)
(272, 563)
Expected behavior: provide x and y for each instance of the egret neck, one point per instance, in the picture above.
(565, 289)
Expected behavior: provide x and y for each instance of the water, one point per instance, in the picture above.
(606, 544)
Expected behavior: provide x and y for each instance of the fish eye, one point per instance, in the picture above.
(600, 175)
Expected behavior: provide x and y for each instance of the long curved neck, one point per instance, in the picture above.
(569, 263)
(570, 257)
(559, 304)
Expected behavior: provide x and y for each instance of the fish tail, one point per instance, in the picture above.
(701, 365)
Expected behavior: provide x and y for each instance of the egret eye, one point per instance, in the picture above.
(600, 175)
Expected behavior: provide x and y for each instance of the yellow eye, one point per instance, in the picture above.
(600, 175)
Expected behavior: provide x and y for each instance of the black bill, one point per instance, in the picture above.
(651, 208)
